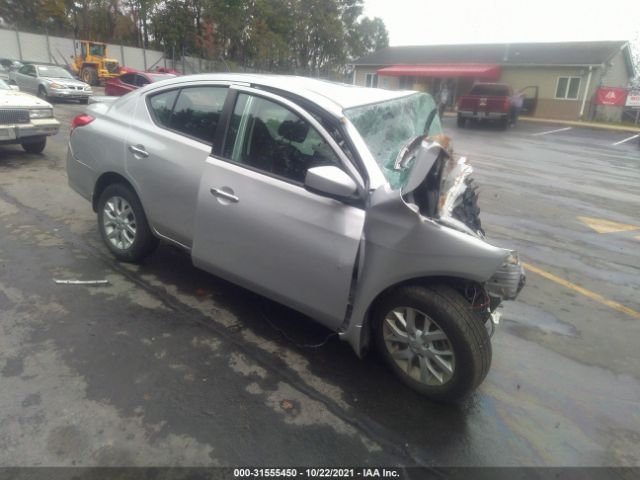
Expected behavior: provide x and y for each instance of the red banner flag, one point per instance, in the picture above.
(611, 96)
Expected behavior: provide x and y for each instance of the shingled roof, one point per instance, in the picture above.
(559, 53)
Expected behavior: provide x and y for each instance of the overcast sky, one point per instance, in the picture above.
(424, 22)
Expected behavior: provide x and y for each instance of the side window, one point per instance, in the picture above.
(28, 70)
(269, 137)
(128, 78)
(161, 106)
(141, 81)
(197, 111)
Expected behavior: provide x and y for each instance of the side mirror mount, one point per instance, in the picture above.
(330, 181)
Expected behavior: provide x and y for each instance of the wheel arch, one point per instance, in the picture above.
(106, 179)
(457, 283)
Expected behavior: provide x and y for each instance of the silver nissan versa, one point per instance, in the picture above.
(342, 202)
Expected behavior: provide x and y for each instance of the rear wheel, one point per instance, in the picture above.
(461, 121)
(89, 75)
(123, 224)
(35, 146)
(432, 340)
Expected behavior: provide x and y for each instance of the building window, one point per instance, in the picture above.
(567, 88)
(371, 80)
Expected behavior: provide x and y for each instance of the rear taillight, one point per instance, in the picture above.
(80, 121)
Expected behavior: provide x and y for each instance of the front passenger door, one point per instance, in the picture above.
(258, 226)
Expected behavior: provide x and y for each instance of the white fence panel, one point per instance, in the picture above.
(133, 58)
(154, 58)
(61, 50)
(39, 48)
(9, 45)
(34, 47)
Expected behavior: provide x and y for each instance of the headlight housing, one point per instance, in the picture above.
(87, 88)
(41, 113)
(56, 86)
(513, 258)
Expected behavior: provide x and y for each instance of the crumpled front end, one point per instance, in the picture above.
(431, 230)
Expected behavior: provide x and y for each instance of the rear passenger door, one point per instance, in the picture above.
(167, 146)
(26, 79)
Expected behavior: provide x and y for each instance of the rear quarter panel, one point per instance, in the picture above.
(99, 147)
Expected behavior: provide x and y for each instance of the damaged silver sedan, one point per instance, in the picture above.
(342, 202)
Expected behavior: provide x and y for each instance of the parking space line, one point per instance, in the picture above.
(583, 291)
(626, 139)
(551, 131)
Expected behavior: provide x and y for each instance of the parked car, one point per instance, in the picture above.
(486, 101)
(336, 200)
(4, 73)
(131, 81)
(9, 64)
(25, 119)
(50, 82)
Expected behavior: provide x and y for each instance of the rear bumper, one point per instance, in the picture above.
(482, 115)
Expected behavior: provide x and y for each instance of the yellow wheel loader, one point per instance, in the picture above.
(91, 64)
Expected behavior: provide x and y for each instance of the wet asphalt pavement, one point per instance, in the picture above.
(168, 365)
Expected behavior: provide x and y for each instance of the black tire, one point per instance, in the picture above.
(42, 93)
(84, 101)
(467, 209)
(467, 337)
(503, 123)
(35, 147)
(89, 75)
(461, 121)
(143, 242)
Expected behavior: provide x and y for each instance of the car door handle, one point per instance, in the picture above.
(138, 150)
(216, 192)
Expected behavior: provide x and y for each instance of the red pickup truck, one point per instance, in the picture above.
(486, 101)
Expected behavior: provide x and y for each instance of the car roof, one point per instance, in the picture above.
(332, 96)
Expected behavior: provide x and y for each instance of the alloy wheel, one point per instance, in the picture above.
(418, 346)
(119, 223)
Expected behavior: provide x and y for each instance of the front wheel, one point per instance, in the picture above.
(432, 340)
(123, 224)
(36, 146)
(42, 93)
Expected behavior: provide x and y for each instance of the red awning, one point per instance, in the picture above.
(478, 70)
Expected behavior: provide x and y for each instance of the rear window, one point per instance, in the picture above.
(490, 90)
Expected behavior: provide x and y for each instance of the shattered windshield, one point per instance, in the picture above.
(388, 126)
